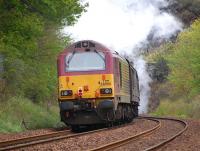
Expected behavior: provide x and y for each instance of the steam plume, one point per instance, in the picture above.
(123, 25)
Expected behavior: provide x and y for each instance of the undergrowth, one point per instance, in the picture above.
(179, 108)
(18, 114)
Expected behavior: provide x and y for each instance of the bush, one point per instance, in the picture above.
(184, 62)
(17, 109)
(179, 108)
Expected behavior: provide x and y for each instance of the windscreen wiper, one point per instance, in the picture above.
(99, 54)
(70, 57)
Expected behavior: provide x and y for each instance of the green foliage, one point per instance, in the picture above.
(160, 52)
(30, 40)
(179, 108)
(159, 71)
(177, 94)
(17, 109)
(184, 61)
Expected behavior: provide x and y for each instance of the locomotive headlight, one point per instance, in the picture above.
(85, 44)
(66, 93)
(106, 91)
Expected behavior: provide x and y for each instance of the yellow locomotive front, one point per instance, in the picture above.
(86, 84)
(89, 86)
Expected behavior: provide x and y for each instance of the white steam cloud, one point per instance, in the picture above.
(124, 24)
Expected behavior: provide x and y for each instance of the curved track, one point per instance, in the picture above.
(125, 141)
(53, 136)
(157, 146)
(121, 142)
(26, 141)
(39, 139)
(44, 138)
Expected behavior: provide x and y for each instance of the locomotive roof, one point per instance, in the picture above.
(91, 44)
(87, 44)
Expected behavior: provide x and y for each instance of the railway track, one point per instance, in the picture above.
(53, 136)
(44, 138)
(159, 145)
(39, 139)
(128, 140)
(26, 141)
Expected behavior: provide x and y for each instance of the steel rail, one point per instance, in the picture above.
(24, 142)
(12, 142)
(129, 139)
(44, 138)
(31, 138)
(122, 142)
(157, 146)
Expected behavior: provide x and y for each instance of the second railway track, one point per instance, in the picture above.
(130, 139)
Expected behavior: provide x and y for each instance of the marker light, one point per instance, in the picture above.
(67, 79)
(86, 88)
(80, 92)
(96, 94)
(103, 77)
(66, 93)
(106, 91)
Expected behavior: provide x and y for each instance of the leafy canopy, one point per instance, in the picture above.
(30, 40)
(184, 61)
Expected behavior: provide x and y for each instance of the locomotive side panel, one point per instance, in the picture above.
(124, 77)
(136, 91)
(121, 80)
(124, 82)
(134, 85)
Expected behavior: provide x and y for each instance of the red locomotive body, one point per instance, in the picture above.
(96, 85)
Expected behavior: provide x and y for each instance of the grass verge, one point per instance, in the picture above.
(17, 110)
(179, 108)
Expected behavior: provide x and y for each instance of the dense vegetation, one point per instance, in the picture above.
(30, 39)
(183, 84)
(184, 61)
(186, 10)
(19, 114)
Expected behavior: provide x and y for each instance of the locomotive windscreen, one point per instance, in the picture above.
(85, 61)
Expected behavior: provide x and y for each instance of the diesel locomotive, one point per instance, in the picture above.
(96, 85)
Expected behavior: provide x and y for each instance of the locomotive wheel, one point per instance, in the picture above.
(135, 110)
(75, 128)
(110, 115)
(130, 113)
(124, 116)
(119, 112)
(62, 116)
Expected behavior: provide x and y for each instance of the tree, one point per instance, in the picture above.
(30, 40)
(184, 61)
